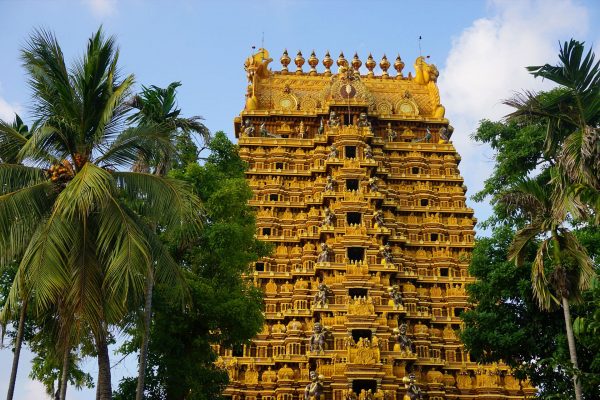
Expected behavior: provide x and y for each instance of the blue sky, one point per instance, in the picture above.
(480, 47)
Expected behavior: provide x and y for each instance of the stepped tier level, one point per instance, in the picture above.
(356, 185)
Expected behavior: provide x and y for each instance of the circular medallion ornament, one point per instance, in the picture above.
(347, 91)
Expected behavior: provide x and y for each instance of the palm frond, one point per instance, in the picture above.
(584, 265)
(167, 201)
(17, 176)
(539, 280)
(516, 251)
(11, 141)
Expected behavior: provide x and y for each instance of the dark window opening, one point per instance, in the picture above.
(259, 266)
(458, 311)
(266, 231)
(443, 271)
(350, 152)
(274, 197)
(353, 218)
(279, 165)
(424, 202)
(352, 184)
(361, 333)
(356, 253)
(357, 292)
(359, 385)
(434, 237)
(415, 170)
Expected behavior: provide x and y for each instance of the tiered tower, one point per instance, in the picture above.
(356, 185)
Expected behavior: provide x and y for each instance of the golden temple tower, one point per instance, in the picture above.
(356, 184)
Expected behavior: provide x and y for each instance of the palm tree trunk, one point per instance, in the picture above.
(139, 394)
(17, 352)
(104, 388)
(572, 350)
(64, 379)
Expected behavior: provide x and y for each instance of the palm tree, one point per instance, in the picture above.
(572, 114)
(155, 105)
(12, 138)
(70, 212)
(562, 269)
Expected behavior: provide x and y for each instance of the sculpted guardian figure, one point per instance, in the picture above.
(314, 390)
(317, 339)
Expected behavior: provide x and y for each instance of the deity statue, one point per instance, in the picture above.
(402, 340)
(265, 133)
(330, 184)
(446, 133)
(317, 339)
(413, 392)
(301, 130)
(321, 127)
(363, 122)
(328, 217)
(391, 134)
(425, 138)
(314, 390)
(320, 299)
(350, 395)
(248, 128)
(386, 254)
(325, 254)
(368, 152)
(396, 295)
(373, 184)
(349, 341)
(334, 120)
(378, 218)
(333, 152)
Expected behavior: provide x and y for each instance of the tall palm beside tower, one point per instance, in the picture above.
(157, 106)
(68, 209)
(562, 269)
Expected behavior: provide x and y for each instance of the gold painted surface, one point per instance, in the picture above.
(356, 184)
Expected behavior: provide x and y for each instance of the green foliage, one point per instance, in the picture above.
(224, 307)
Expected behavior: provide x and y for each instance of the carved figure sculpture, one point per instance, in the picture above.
(386, 253)
(425, 138)
(378, 218)
(404, 341)
(301, 130)
(248, 128)
(321, 127)
(396, 295)
(363, 122)
(333, 152)
(373, 187)
(413, 392)
(334, 120)
(314, 390)
(368, 152)
(328, 218)
(317, 339)
(330, 185)
(325, 254)
(265, 133)
(320, 299)
(391, 134)
(446, 133)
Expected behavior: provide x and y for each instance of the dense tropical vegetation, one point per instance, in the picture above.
(545, 193)
(101, 201)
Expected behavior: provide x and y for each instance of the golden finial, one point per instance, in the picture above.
(370, 64)
(341, 61)
(327, 62)
(299, 61)
(384, 64)
(313, 61)
(356, 63)
(285, 61)
(399, 66)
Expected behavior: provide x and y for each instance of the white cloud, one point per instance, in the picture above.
(7, 110)
(102, 8)
(486, 65)
(33, 390)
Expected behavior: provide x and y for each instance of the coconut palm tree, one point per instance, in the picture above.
(157, 106)
(69, 210)
(562, 269)
(572, 114)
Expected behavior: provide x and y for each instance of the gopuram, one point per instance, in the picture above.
(356, 185)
